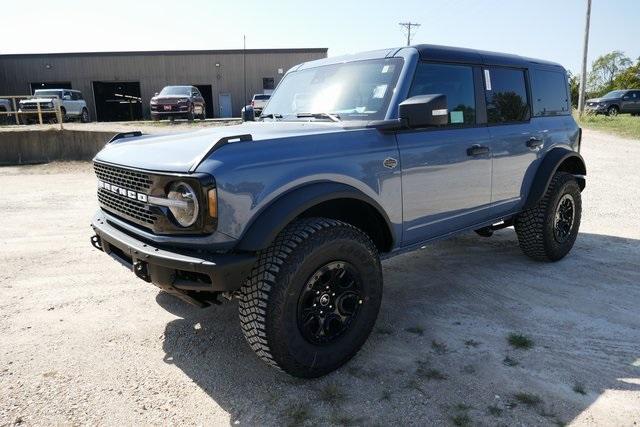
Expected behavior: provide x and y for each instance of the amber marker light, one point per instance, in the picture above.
(213, 203)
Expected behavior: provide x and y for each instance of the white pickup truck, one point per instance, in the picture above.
(72, 104)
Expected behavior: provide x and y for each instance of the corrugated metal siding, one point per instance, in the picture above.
(154, 70)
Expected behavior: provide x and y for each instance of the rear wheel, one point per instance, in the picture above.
(313, 297)
(547, 231)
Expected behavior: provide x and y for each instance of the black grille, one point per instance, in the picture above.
(131, 180)
(120, 204)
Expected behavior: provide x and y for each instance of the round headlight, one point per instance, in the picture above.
(186, 210)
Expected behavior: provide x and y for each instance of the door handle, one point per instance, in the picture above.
(477, 150)
(534, 142)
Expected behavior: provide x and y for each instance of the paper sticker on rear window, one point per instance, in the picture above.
(385, 69)
(379, 91)
(457, 117)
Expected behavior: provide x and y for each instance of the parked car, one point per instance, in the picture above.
(71, 102)
(616, 102)
(259, 101)
(5, 106)
(384, 152)
(178, 102)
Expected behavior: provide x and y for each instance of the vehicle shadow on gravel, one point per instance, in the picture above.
(440, 352)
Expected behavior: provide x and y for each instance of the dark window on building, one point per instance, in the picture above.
(268, 83)
(506, 95)
(549, 93)
(453, 81)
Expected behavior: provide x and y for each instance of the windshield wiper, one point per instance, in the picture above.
(331, 116)
(274, 116)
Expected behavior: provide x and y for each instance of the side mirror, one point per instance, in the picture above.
(155, 94)
(248, 114)
(424, 111)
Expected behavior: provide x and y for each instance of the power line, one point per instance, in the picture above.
(407, 27)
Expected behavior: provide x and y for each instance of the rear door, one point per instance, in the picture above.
(446, 171)
(515, 141)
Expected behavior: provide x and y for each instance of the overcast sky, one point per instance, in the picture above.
(546, 29)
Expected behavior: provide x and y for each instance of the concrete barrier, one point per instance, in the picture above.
(41, 146)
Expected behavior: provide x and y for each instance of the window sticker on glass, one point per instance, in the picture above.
(385, 69)
(457, 117)
(379, 91)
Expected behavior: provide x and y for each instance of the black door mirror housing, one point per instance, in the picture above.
(248, 114)
(424, 111)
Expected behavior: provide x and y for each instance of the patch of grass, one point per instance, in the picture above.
(495, 411)
(414, 384)
(579, 388)
(418, 330)
(331, 393)
(297, 414)
(439, 347)
(528, 399)
(461, 420)
(430, 374)
(508, 361)
(471, 343)
(622, 124)
(520, 341)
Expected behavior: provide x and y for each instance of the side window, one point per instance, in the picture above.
(506, 95)
(453, 81)
(76, 96)
(549, 93)
(268, 83)
(67, 93)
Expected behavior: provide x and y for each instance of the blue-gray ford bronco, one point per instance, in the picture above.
(353, 160)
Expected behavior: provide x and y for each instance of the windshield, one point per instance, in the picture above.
(353, 91)
(176, 90)
(48, 93)
(614, 94)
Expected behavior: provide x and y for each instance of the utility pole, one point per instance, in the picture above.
(244, 68)
(407, 27)
(583, 75)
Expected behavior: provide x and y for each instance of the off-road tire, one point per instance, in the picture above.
(269, 299)
(535, 226)
(191, 113)
(84, 116)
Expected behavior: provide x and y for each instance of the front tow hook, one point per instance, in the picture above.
(95, 242)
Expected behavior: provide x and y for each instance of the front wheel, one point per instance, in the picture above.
(313, 297)
(547, 231)
(612, 111)
(84, 117)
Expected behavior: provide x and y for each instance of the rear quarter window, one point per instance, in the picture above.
(549, 93)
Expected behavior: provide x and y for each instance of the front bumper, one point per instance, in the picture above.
(596, 108)
(181, 273)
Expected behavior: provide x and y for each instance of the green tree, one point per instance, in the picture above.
(629, 78)
(605, 69)
(574, 87)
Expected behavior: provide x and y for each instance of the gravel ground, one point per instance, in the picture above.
(84, 342)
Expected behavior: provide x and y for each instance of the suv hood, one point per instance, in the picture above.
(180, 152)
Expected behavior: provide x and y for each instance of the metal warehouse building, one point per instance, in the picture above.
(119, 85)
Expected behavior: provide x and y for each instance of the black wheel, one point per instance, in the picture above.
(613, 111)
(84, 117)
(63, 113)
(548, 231)
(313, 297)
(191, 113)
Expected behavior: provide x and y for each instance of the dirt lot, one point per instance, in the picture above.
(84, 342)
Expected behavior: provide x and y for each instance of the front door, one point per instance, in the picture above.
(225, 105)
(446, 172)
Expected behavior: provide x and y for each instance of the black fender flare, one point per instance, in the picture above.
(270, 221)
(548, 167)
